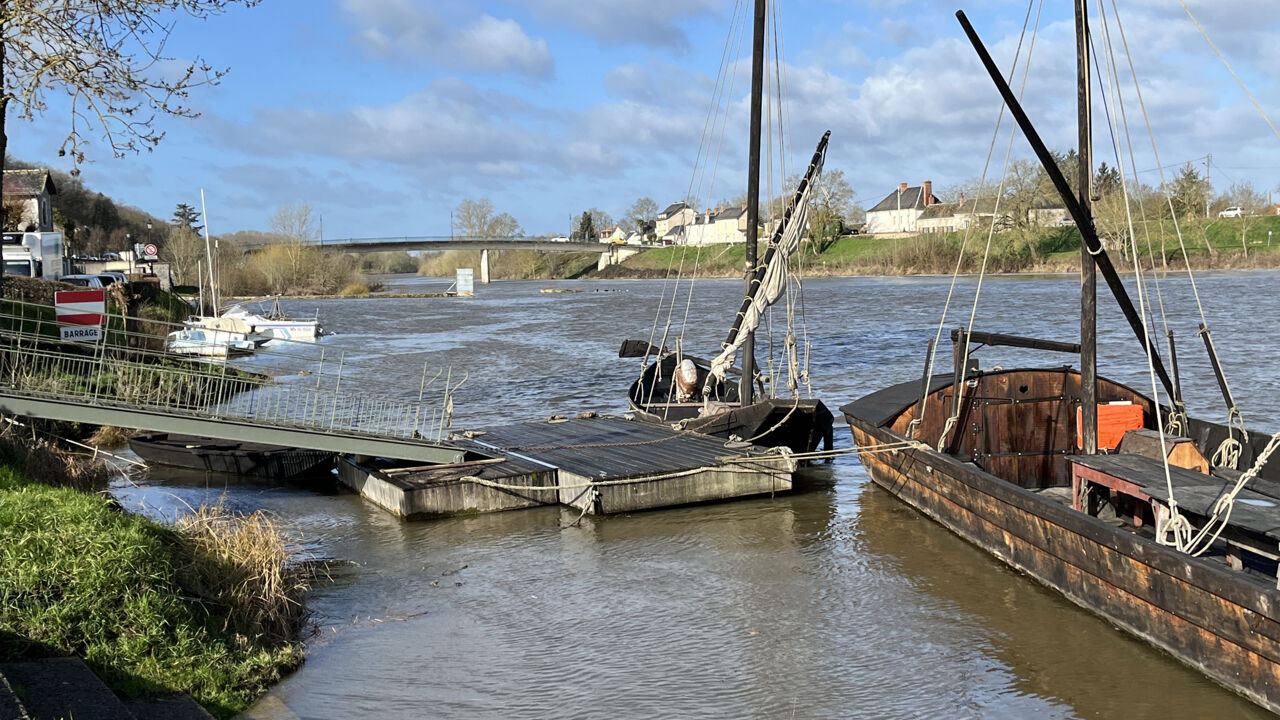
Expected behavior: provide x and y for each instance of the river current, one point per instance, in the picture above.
(835, 601)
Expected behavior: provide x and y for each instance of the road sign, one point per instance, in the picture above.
(146, 251)
(79, 314)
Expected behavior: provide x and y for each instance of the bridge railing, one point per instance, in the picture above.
(312, 391)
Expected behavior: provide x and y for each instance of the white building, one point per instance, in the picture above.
(900, 209)
(676, 215)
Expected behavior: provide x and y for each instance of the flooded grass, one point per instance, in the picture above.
(210, 607)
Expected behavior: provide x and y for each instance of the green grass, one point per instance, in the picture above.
(1056, 248)
(79, 576)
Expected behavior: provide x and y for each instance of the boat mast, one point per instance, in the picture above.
(745, 388)
(1088, 269)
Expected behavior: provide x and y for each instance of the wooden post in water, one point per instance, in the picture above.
(745, 388)
(1088, 270)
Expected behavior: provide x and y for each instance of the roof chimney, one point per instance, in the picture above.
(928, 193)
(902, 187)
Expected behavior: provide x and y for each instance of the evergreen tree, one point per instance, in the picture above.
(1106, 181)
(586, 231)
(185, 217)
(1189, 192)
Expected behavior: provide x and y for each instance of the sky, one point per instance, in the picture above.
(384, 115)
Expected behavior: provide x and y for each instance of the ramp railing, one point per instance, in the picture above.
(285, 384)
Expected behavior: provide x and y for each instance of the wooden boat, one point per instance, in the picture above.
(692, 392)
(1010, 465)
(228, 457)
(800, 424)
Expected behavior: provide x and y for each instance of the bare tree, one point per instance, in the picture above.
(476, 218)
(295, 223)
(108, 57)
(642, 213)
(295, 227)
(1247, 197)
(601, 219)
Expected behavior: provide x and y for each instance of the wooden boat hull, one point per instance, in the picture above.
(1225, 624)
(802, 425)
(228, 457)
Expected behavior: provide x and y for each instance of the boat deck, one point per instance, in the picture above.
(600, 465)
(1253, 525)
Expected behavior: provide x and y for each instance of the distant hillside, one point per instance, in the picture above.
(93, 222)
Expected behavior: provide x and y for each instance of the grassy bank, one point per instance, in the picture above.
(1210, 244)
(209, 607)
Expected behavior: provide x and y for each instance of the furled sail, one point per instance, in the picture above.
(770, 279)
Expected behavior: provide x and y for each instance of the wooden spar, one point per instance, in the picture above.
(1081, 216)
(769, 252)
(745, 389)
(1217, 369)
(1177, 379)
(993, 339)
(1088, 269)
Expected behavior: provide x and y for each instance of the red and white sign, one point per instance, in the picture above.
(150, 250)
(80, 314)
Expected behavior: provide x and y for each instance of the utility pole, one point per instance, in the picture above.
(1208, 182)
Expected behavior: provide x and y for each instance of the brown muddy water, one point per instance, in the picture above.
(836, 601)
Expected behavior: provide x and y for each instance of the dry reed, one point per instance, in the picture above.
(243, 563)
(48, 464)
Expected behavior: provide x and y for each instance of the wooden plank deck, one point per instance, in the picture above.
(1194, 492)
(600, 465)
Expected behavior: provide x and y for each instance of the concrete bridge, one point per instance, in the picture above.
(610, 253)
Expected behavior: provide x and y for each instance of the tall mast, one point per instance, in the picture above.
(745, 390)
(1088, 269)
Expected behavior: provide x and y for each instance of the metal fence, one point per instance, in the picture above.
(313, 391)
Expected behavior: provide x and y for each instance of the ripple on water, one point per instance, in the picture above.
(834, 602)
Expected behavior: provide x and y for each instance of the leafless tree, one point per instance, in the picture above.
(476, 218)
(109, 58)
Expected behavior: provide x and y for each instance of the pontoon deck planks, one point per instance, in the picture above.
(598, 465)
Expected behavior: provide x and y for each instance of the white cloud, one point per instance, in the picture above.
(400, 30)
(653, 23)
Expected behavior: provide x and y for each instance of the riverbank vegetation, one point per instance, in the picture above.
(511, 264)
(210, 607)
(1249, 242)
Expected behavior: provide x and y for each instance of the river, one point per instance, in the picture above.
(836, 601)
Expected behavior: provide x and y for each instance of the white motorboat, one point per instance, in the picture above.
(207, 343)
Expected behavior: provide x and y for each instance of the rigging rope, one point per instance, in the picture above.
(964, 244)
(1221, 57)
(954, 418)
(1176, 520)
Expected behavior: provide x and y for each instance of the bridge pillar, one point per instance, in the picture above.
(616, 254)
(484, 266)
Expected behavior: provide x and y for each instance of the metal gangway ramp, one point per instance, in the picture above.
(293, 394)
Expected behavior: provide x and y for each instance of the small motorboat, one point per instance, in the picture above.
(228, 457)
(209, 343)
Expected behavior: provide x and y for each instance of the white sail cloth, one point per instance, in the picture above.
(774, 282)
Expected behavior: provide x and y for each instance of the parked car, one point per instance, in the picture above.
(110, 256)
(1231, 212)
(89, 281)
(115, 275)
